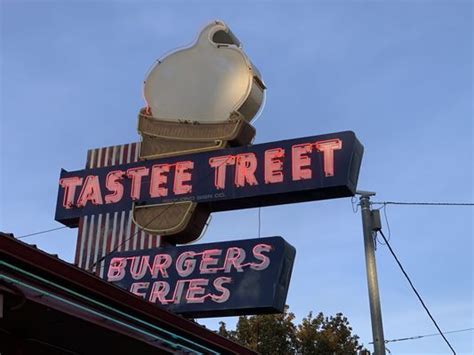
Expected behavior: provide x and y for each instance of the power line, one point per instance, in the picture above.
(416, 292)
(424, 203)
(41, 232)
(353, 204)
(131, 237)
(384, 208)
(426, 335)
(98, 261)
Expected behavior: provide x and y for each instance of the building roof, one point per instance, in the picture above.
(54, 307)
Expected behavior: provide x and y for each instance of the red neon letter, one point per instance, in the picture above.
(139, 266)
(160, 264)
(116, 269)
(327, 148)
(257, 253)
(90, 192)
(225, 292)
(234, 257)
(274, 165)
(185, 267)
(300, 160)
(158, 179)
(181, 176)
(220, 164)
(208, 260)
(245, 169)
(195, 289)
(136, 286)
(69, 185)
(159, 290)
(113, 184)
(178, 291)
(136, 174)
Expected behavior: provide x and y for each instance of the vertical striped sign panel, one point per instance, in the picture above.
(100, 234)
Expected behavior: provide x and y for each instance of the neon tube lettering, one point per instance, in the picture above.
(218, 286)
(327, 148)
(136, 175)
(208, 260)
(184, 265)
(137, 286)
(181, 176)
(264, 260)
(195, 289)
(274, 165)
(113, 184)
(116, 270)
(70, 184)
(158, 179)
(159, 291)
(161, 263)
(300, 160)
(234, 257)
(178, 291)
(245, 169)
(139, 266)
(220, 165)
(90, 192)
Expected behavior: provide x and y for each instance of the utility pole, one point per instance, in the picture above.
(368, 219)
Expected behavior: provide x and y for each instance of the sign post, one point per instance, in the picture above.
(374, 297)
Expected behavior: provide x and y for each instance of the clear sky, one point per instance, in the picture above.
(397, 73)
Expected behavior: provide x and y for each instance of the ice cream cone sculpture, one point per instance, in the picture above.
(199, 98)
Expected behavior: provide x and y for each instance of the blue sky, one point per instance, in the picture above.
(399, 74)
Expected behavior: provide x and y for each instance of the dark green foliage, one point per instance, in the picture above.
(277, 334)
(322, 335)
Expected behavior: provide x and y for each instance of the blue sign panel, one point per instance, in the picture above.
(208, 280)
(289, 171)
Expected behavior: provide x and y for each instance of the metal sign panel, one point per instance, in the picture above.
(99, 234)
(296, 170)
(208, 280)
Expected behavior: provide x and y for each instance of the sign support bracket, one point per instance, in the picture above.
(371, 268)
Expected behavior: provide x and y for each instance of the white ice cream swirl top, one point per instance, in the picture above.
(205, 82)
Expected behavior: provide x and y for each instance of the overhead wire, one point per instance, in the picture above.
(119, 245)
(386, 221)
(423, 203)
(355, 207)
(98, 261)
(384, 209)
(123, 242)
(416, 337)
(40, 232)
(146, 225)
(416, 292)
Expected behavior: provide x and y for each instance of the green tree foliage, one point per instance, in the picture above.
(229, 334)
(268, 334)
(277, 334)
(322, 335)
